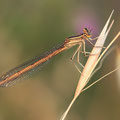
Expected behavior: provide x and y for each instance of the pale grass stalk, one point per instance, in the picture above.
(92, 62)
(118, 64)
(96, 60)
(100, 79)
(103, 53)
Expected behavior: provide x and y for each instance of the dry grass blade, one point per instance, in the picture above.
(93, 60)
(118, 64)
(91, 63)
(100, 79)
(103, 53)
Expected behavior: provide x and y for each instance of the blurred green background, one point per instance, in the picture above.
(31, 27)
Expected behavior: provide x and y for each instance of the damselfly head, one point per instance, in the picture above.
(87, 32)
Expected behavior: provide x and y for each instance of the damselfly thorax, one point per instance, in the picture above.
(78, 39)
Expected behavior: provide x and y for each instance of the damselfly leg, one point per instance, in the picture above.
(82, 49)
(77, 52)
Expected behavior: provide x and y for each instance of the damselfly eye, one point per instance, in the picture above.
(87, 32)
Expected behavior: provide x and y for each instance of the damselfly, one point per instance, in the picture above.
(13, 75)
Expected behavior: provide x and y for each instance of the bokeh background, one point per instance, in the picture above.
(31, 27)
